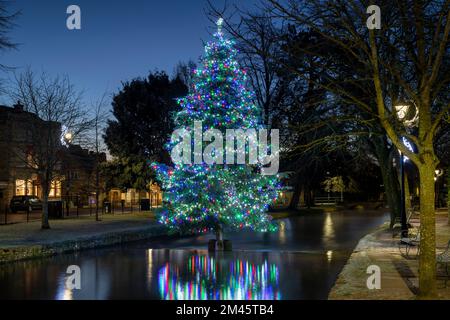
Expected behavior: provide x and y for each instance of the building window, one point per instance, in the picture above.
(24, 187)
(73, 175)
(55, 189)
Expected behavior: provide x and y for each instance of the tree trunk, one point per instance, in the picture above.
(392, 190)
(308, 197)
(407, 194)
(97, 215)
(427, 258)
(219, 238)
(293, 205)
(97, 190)
(45, 224)
(390, 180)
(219, 233)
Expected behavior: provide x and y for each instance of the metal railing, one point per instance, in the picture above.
(74, 209)
(324, 201)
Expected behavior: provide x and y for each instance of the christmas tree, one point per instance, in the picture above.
(204, 196)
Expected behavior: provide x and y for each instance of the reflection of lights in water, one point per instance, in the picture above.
(95, 283)
(207, 279)
(329, 255)
(282, 232)
(149, 254)
(63, 293)
(328, 227)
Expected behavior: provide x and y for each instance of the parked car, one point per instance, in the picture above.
(22, 203)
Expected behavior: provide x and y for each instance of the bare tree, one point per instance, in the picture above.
(99, 121)
(184, 71)
(292, 102)
(6, 24)
(55, 104)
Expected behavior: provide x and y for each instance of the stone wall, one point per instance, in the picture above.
(102, 240)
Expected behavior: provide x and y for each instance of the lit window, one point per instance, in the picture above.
(24, 187)
(55, 189)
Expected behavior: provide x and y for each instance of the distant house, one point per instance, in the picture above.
(79, 181)
(132, 196)
(285, 193)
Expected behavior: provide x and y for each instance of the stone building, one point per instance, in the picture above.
(17, 175)
(79, 176)
(133, 197)
(77, 167)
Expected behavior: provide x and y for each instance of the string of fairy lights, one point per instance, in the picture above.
(201, 197)
(207, 278)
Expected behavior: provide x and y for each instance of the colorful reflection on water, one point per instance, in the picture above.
(210, 278)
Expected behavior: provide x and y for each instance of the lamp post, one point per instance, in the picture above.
(67, 140)
(437, 173)
(402, 197)
(408, 116)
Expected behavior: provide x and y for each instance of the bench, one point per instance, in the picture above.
(407, 243)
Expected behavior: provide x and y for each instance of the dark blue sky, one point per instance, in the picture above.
(119, 39)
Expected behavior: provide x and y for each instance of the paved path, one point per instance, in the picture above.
(399, 275)
(68, 229)
(35, 215)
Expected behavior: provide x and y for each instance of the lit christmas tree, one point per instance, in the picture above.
(204, 196)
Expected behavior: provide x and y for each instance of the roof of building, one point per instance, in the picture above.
(19, 110)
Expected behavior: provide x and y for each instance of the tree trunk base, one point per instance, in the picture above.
(427, 297)
(212, 245)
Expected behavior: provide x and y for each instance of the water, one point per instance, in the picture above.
(300, 261)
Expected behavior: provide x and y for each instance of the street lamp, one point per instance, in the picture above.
(438, 173)
(66, 140)
(68, 136)
(408, 115)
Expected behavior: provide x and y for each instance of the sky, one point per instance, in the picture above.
(119, 40)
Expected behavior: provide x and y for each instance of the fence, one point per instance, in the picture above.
(324, 201)
(75, 208)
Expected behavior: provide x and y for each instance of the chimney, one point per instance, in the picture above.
(18, 106)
